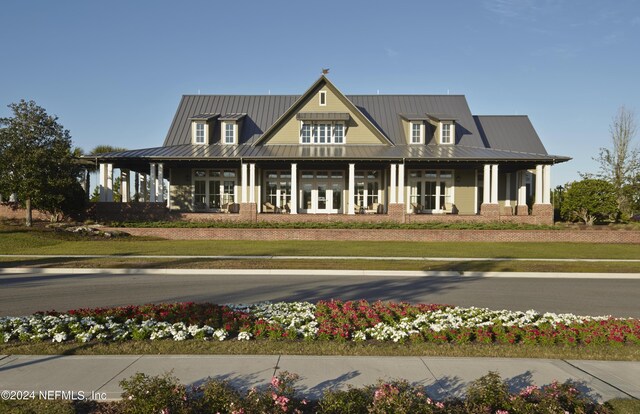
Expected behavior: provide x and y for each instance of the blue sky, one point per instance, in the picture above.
(114, 71)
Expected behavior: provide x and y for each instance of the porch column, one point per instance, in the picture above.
(136, 186)
(546, 184)
(243, 186)
(144, 190)
(486, 193)
(294, 188)
(538, 184)
(507, 196)
(401, 188)
(522, 188)
(494, 184)
(124, 186)
(102, 182)
(352, 189)
(160, 184)
(392, 185)
(252, 183)
(152, 182)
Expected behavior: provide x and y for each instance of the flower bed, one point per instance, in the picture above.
(325, 320)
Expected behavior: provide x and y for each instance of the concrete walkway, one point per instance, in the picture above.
(442, 377)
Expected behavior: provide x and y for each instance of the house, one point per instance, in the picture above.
(325, 156)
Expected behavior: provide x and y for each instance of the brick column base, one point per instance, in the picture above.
(490, 210)
(249, 212)
(522, 210)
(396, 213)
(543, 213)
(507, 211)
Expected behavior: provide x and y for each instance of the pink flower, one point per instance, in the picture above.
(439, 404)
(275, 382)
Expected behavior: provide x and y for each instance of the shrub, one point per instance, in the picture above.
(216, 397)
(488, 394)
(352, 401)
(589, 200)
(146, 394)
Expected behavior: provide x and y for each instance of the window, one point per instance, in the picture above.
(323, 98)
(200, 133)
(212, 189)
(305, 135)
(229, 133)
(322, 133)
(445, 134)
(338, 133)
(416, 133)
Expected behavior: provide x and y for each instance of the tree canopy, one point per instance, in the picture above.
(36, 160)
(589, 201)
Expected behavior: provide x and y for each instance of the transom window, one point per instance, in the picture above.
(417, 133)
(322, 133)
(445, 134)
(199, 133)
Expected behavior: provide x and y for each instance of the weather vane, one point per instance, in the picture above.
(325, 71)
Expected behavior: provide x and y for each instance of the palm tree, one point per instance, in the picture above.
(104, 149)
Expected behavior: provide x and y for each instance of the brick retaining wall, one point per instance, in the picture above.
(14, 211)
(543, 236)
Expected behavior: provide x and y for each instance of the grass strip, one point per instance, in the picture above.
(302, 347)
(355, 264)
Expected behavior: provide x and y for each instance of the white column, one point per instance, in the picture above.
(144, 193)
(160, 184)
(392, 185)
(401, 189)
(102, 183)
(538, 184)
(352, 189)
(507, 196)
(124, 186)
(252, 183)
(486, 182)
(546, 184)
(522, 189)
(109, 182)
(243, 188)
(152, 182)
(294, 188)
(494, 184)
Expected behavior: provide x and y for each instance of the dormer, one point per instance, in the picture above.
(230, 128)
(201, 128)
(445, 128)
(415, 128)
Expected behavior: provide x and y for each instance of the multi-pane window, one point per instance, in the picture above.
(416, 133)
(322, 133)
(367, 188)
(229, 133)
(278, 185)
(446, 134)
(213, 189)
(338, 133)
(199, 133)
(306, 133)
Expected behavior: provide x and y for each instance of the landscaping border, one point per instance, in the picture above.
(418, 235)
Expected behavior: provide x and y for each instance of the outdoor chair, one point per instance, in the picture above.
(373, 208)
(417, 208)
(268, 207)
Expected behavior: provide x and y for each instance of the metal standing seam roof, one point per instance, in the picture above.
(509, 132)
(364, 152)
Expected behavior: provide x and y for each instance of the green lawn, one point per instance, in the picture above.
(17, 240)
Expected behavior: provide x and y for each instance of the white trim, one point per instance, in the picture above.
(486, 189)
(314, 132)
(243, 186)
(401, 184)
(194, 132)
(352, 189)
(294, 188)
(475, 191)
(420, 177)
(452, 133)
(393, 185)
(252, 183)
(411, 125)
(223, 134)
(322, 96)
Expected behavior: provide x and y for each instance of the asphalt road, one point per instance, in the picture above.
(22, 294)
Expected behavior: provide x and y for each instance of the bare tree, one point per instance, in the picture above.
(620, 165)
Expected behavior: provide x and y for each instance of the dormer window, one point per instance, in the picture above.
(200, 132)
(417, 133)
(323, 98)
(229, 133)
(446, 133)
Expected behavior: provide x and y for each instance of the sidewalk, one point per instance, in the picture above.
(441, 377)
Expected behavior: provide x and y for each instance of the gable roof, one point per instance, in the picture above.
(322, 80)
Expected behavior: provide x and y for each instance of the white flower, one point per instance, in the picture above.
(244, 336)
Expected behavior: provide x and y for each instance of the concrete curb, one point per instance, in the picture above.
(318, 272)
